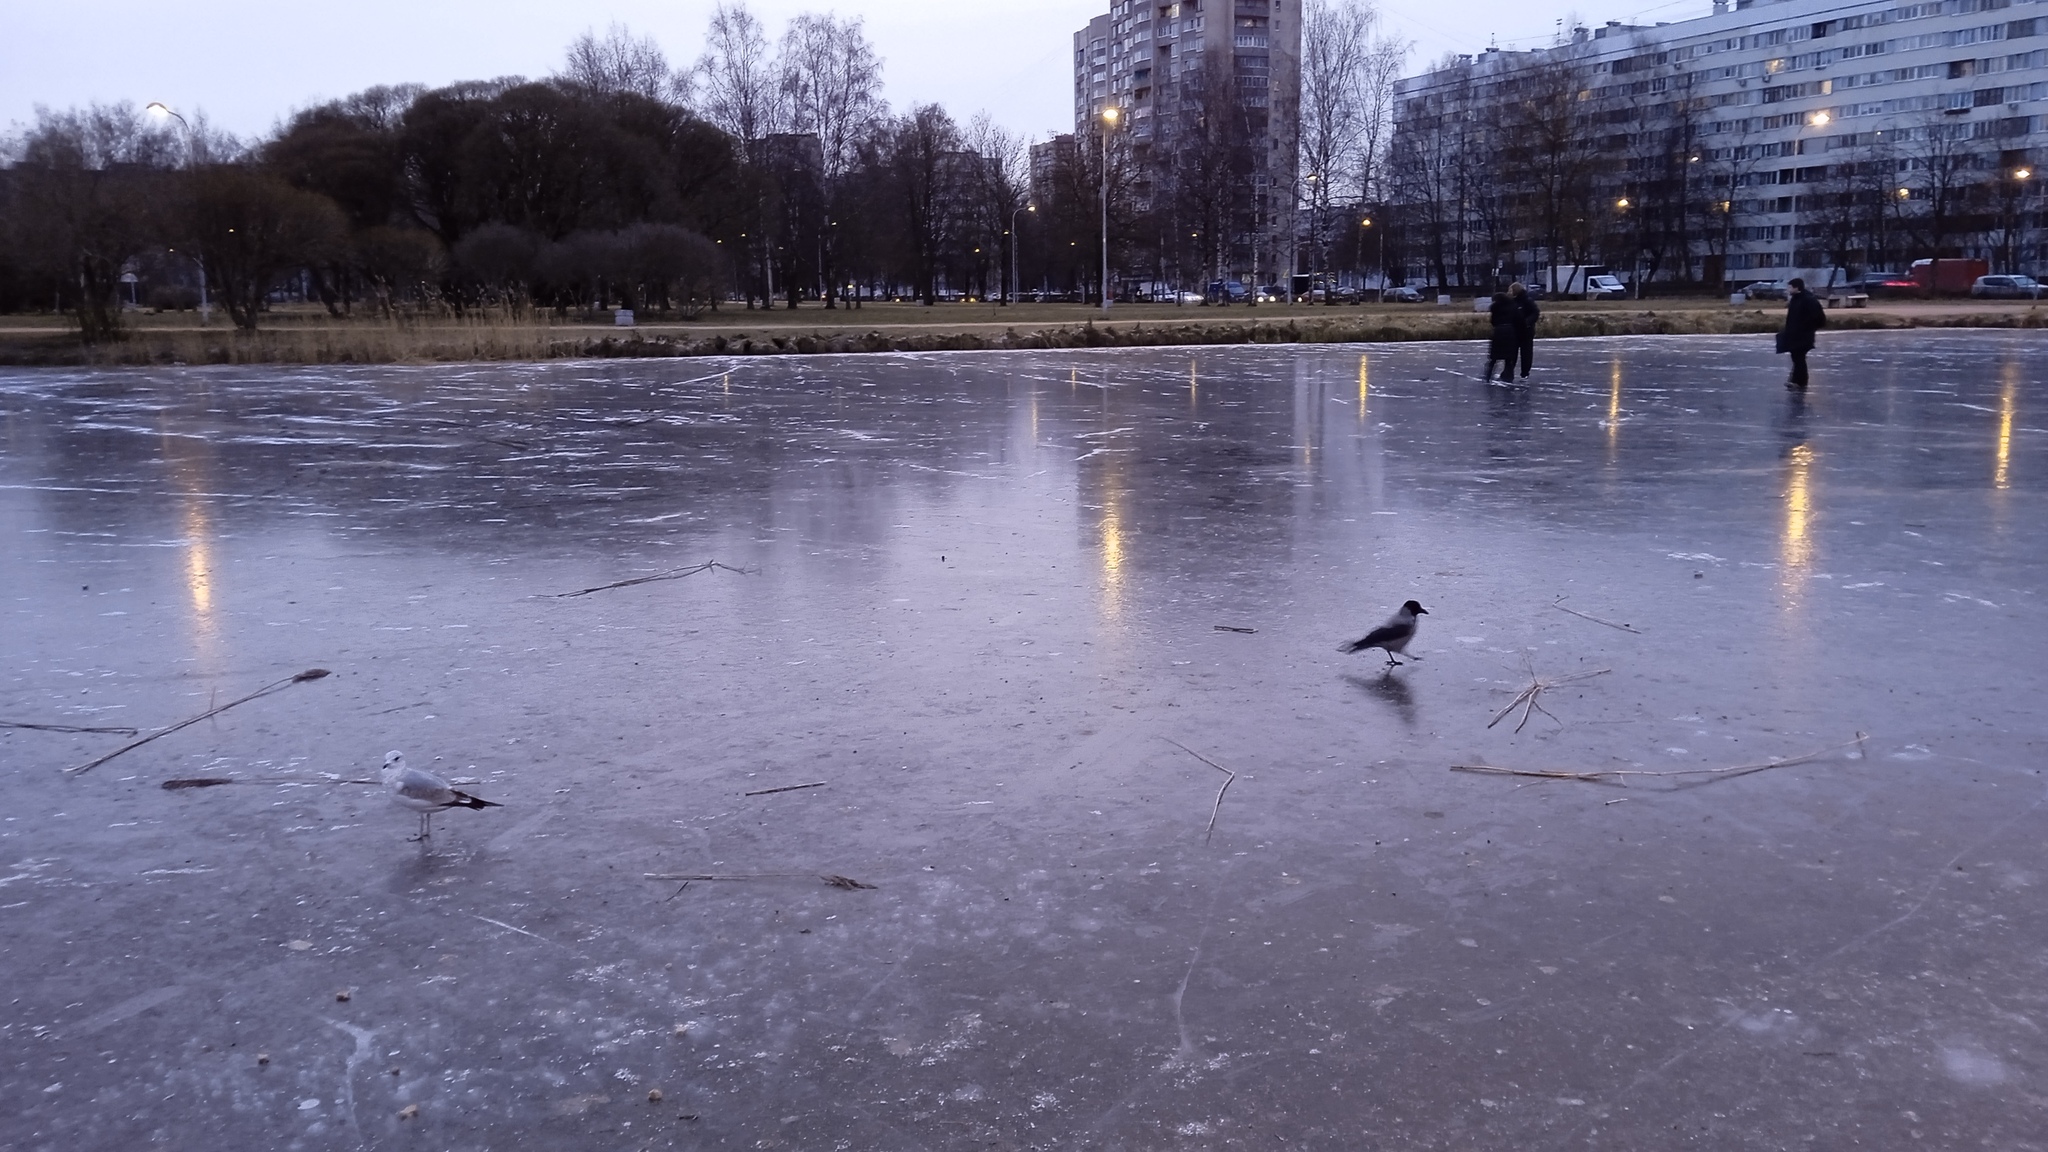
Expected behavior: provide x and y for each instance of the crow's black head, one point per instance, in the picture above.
(1414, 609)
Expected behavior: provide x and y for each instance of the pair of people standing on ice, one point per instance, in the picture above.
(1513, 315)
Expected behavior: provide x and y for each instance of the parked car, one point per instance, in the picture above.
(1876, 284)
(1226, 292)
(1769, 290)
(1605, 287)
(2006, 288)
(1402, 295)
(1187, 298)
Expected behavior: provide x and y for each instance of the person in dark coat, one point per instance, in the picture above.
(1526, 315)
(1803, 317)
(1502, 345)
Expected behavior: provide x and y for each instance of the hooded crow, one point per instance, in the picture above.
(424, 792)
(1391, 637)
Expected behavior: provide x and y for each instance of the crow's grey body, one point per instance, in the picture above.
(1391, 637)
(424, 792)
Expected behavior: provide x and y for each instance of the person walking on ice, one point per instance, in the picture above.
(1501, 346)
(1803, 317)
(1526, 315)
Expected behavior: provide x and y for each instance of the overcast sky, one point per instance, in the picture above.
(248, 65)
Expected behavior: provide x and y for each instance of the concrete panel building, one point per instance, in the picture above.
(1202, 87)
(1766, 139)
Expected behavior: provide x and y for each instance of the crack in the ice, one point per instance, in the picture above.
(362, 1052)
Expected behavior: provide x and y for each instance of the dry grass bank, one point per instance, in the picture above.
(316, 340)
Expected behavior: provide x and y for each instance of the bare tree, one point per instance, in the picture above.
(1335, 47)
(999, 186)
(623, 62)
(921, 146)
(1943, 180)
(1378, 81)
(1551, 141)
(86, 190)
(252, 228)
(742, 97)
(831, 81)
(740, 85)
(831, 87)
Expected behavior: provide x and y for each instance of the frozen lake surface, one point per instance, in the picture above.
(981, 605)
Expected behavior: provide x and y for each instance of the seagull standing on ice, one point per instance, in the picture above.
(1391, 637)
(424, 792)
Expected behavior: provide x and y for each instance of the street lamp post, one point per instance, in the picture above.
(1381, 235)
(159, 108)
(1635, 267)
(2015, 204)
(1016, 288)
(1109, 115)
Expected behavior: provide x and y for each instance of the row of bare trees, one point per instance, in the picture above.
(1349, 68)
(770, 169)
(1513, 163)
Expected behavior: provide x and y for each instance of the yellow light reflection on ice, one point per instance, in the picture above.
(199, 561)
(1798, 543)
(1613, 408)
(2008, 400)
(1191, 384)
(1112, 558)
(189, 472)
(1364, 387)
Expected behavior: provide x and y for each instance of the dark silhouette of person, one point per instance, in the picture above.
(1803, 317)
(1502, 345)
(1526, 316)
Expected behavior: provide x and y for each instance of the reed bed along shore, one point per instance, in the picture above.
(298, 341)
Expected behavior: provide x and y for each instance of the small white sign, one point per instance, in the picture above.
(623, 318)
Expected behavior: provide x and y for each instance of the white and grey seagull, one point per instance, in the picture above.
(1391, 637)
(424, 792)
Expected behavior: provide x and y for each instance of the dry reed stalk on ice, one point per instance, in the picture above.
(1559, 605)
(1622, 775)
(66, 728)
(673, 574)
(1229, 779)
(833, 879)
(267, 689)
(1527, 699)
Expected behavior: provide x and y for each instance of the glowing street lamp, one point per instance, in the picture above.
(1016, 289)
(160, 111)
(1109, 118)
(1819, 119)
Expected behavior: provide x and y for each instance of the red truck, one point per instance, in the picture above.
(1955, 275)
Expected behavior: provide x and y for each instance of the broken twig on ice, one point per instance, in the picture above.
(267, 689)
(66, 728)
(1622, 775)
(786, 788)
(188, 782)
(1236, 629)
(1559, 605)
(673, 574)
(1229, 779)
(1527, 699)
(831, 878)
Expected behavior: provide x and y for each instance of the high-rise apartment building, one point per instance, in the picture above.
(1768, 139)
(1202, 88)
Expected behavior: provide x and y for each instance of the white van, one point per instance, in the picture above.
(1605, 287)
